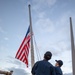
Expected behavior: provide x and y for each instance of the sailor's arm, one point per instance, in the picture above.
(34, 68)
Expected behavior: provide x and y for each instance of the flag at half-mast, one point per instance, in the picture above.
(23, 51)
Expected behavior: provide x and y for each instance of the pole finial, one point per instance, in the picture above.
(29, 5)
(70, 18)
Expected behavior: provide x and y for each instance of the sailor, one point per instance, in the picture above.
(43, 67)
(58, 65)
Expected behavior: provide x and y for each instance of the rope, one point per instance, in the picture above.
(37, 50)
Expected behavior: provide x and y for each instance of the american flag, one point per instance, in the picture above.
(23, 51)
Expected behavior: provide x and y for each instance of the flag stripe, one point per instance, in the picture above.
(21, 55)
(23, 51)
(23, 43)
(20, 48)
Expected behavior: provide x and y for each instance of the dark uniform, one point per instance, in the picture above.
(58, 71)
(43, 67)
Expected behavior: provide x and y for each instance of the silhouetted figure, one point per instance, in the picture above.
(58, 65)
(43, 67)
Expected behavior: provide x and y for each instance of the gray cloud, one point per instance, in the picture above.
(2, 30)
(13, 60)
(68, 74)
(46, 3)
(17, 63)
(13, 64)
(6, 38)
(18, 67)
(19, 71)
(45, 25)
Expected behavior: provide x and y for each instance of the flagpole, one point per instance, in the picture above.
(32, 49)
(72, 47)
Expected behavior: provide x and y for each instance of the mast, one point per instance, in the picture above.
(32, 49)
(72, 47)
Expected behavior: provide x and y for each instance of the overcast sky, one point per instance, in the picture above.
(50, 21)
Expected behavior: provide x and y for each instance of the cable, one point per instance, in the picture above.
(37, 50)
